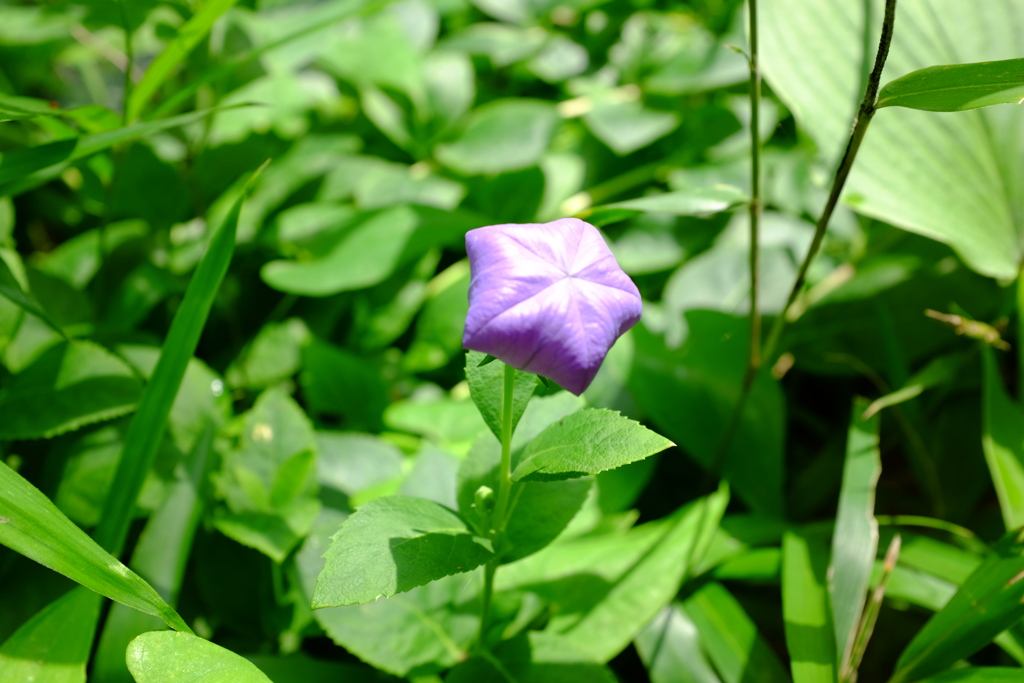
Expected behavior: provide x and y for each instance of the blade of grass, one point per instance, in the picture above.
(194, 30)
(809, 633)
(11, 288)
(867, 624)
(160, 558)
(50, 647)
(855, 541)
(150, 420)
(1003, 442)
(29, 167)
(737, 650)
(326, 16)
(988, 602)
(32, 525)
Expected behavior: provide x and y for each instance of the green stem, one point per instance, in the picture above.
(1020, 334)
(860, 128)
(505, 471)
(754, 361)
(129, 53)
(498, 518)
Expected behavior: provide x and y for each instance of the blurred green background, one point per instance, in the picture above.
(394, 127)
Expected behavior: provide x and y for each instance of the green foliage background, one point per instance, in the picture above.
(329, 372)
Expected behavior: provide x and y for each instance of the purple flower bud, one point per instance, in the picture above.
(547, 298)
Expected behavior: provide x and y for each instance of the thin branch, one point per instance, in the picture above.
(754, 361)
(860, 127)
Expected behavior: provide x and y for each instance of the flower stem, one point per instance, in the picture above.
(505, 471)
(498, 518)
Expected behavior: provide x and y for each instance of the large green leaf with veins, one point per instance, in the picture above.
(957, 178)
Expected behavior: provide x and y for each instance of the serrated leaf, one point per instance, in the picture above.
(588, 442)
(957, 87)
(164, 656)
(393, 544)
(541, 512)
(486, 387)
(989, 601)
(381, 632)
(71, 385)
(32, 525)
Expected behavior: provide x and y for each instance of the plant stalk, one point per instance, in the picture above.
(860, 128)
(505, 471)
(498, 518)
(754, 361)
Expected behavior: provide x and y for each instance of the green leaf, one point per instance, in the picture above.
(698, 201)
(588, 442)
(627, 125)
(957, 87)
(735, 647)
(369, 250)
(690, 392)
(939, 372)
(541, 511)
(604, 589)
(855, 540)
(52, 647)
(12, 289)
(150, 420)
(26, 168)
(381, 632)
(164, 656)
(486, 387)
(1003, 442)
(33, 526)
(71, 385)
(439, 327)
(316, 18)
(671, 650)
(519, 659)
(393, 544)
(983, 674)
(274, 354)
(160, 557)
(340, 384)
(810, 636)
(952, 179)
(988, 602)
(269, 482)
(188, 36)
(503, 135)
(14, 108)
